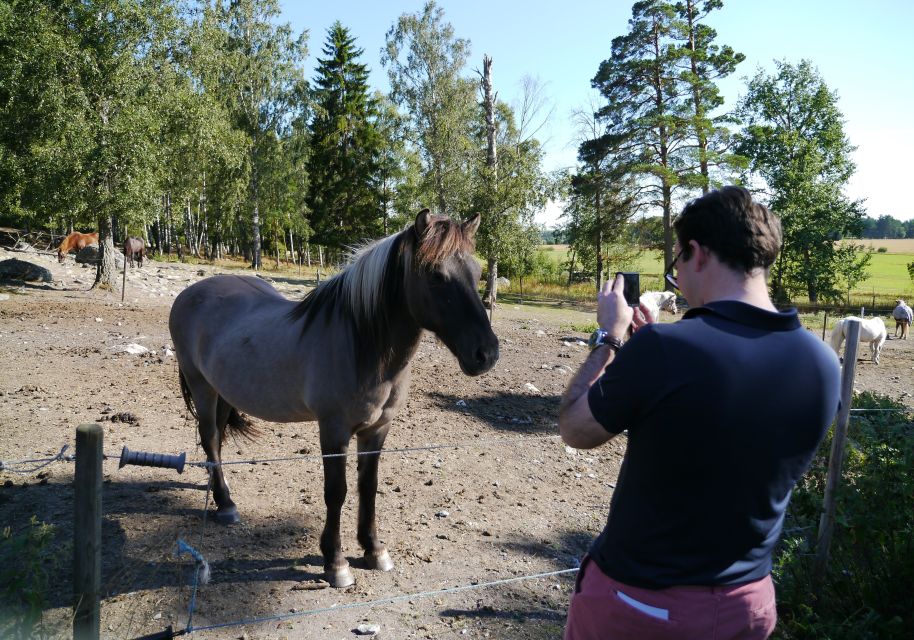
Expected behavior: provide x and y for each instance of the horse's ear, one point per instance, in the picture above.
(423, 220)
(471, 226)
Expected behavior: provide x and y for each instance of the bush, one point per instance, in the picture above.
(867, 590)
(23, 578)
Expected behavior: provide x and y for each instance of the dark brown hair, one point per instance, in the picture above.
(742, 233)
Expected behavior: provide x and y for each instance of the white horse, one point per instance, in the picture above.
(872, 330)
(657, 300)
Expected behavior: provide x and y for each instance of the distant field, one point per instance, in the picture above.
(888, 273)
(905, 245)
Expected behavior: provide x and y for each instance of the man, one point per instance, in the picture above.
(903, 317)
(724, 410)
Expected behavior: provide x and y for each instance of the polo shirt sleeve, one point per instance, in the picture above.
(630, 383)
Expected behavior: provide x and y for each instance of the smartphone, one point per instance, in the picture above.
(632, 287)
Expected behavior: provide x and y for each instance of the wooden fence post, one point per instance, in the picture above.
(836, 460)
(824, 325)
(87, 535)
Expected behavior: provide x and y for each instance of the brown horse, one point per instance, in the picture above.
(75, 242)
(134, 248)
(341, 357)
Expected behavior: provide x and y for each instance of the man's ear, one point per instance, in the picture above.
(702, 254)
(471, 226)
(423, 220)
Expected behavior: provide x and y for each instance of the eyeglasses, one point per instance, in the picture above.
(668, 274)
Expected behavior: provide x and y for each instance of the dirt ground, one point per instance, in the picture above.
(507, 500)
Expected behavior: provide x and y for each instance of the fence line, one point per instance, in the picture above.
(373, 603)
(5, 465)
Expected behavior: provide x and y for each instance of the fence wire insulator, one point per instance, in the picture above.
(147, 459)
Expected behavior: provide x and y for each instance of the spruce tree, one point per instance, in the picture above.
(345, 196)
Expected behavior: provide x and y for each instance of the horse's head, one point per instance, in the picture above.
(442, 291)
(60, 256)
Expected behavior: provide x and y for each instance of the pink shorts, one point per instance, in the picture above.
(606, 609)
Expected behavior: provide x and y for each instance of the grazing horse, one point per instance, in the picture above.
(872, 330)
(134, 248)
(903, 318)
(657, 300)
(76, 241)
(340, 357)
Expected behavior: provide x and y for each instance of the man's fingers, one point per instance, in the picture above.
(618, 283)
(607, 287)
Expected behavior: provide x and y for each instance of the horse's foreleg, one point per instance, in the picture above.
(376, 556)
(336, 567)
(212, 415)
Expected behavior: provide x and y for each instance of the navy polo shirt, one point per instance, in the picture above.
(724, 410)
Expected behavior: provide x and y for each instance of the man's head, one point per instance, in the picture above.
(743, 234)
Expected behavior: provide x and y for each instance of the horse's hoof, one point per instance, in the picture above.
(379, 561)
(229, 515)
(339, 578)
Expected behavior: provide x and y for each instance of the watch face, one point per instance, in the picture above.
(595, 338)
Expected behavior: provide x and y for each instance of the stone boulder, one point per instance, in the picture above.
(22, 271)
(89, 255)
(503, 281)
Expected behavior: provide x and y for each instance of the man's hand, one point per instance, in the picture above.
(615, 315)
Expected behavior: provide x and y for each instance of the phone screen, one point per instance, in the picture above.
(632, 287)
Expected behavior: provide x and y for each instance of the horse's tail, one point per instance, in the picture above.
(237, 422)
(185, 393)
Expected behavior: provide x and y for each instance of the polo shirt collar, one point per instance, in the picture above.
(748, 314)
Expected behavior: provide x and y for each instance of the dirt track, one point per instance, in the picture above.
(510, 501)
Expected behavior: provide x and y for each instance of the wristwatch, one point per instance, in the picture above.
(600, 337)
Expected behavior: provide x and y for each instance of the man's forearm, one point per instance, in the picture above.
(587, 374)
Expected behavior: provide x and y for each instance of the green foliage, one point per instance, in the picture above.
(866, 593)
(794, 137)
(424, 63)
(24, 558)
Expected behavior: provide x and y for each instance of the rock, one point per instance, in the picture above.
(461, 403)
(4, 296)
(89, 255)
(529, 387)
(131, 348)
(540, 333)
(367, 629)
(13, 269)
(503, 281)
(443, 513)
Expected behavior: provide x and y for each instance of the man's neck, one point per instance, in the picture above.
(727, 284)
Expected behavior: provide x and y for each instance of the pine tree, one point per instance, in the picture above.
(646, 107)
(702, 63)
(344, 197)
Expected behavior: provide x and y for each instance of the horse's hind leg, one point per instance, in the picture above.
(334, 440)
(376, 556)
(212, 414)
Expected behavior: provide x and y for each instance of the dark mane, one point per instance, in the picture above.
(443, 238)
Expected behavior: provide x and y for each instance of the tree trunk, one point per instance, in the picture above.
(255, 221)
(105, 274)
(492, 164)
(700, 132)
(599, 224)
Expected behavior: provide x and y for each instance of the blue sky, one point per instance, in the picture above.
(864, 51)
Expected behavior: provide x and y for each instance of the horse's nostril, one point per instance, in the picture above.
(481, 356)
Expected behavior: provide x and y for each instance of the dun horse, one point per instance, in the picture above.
(75, 242)
(340, 356)
(134, 248)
